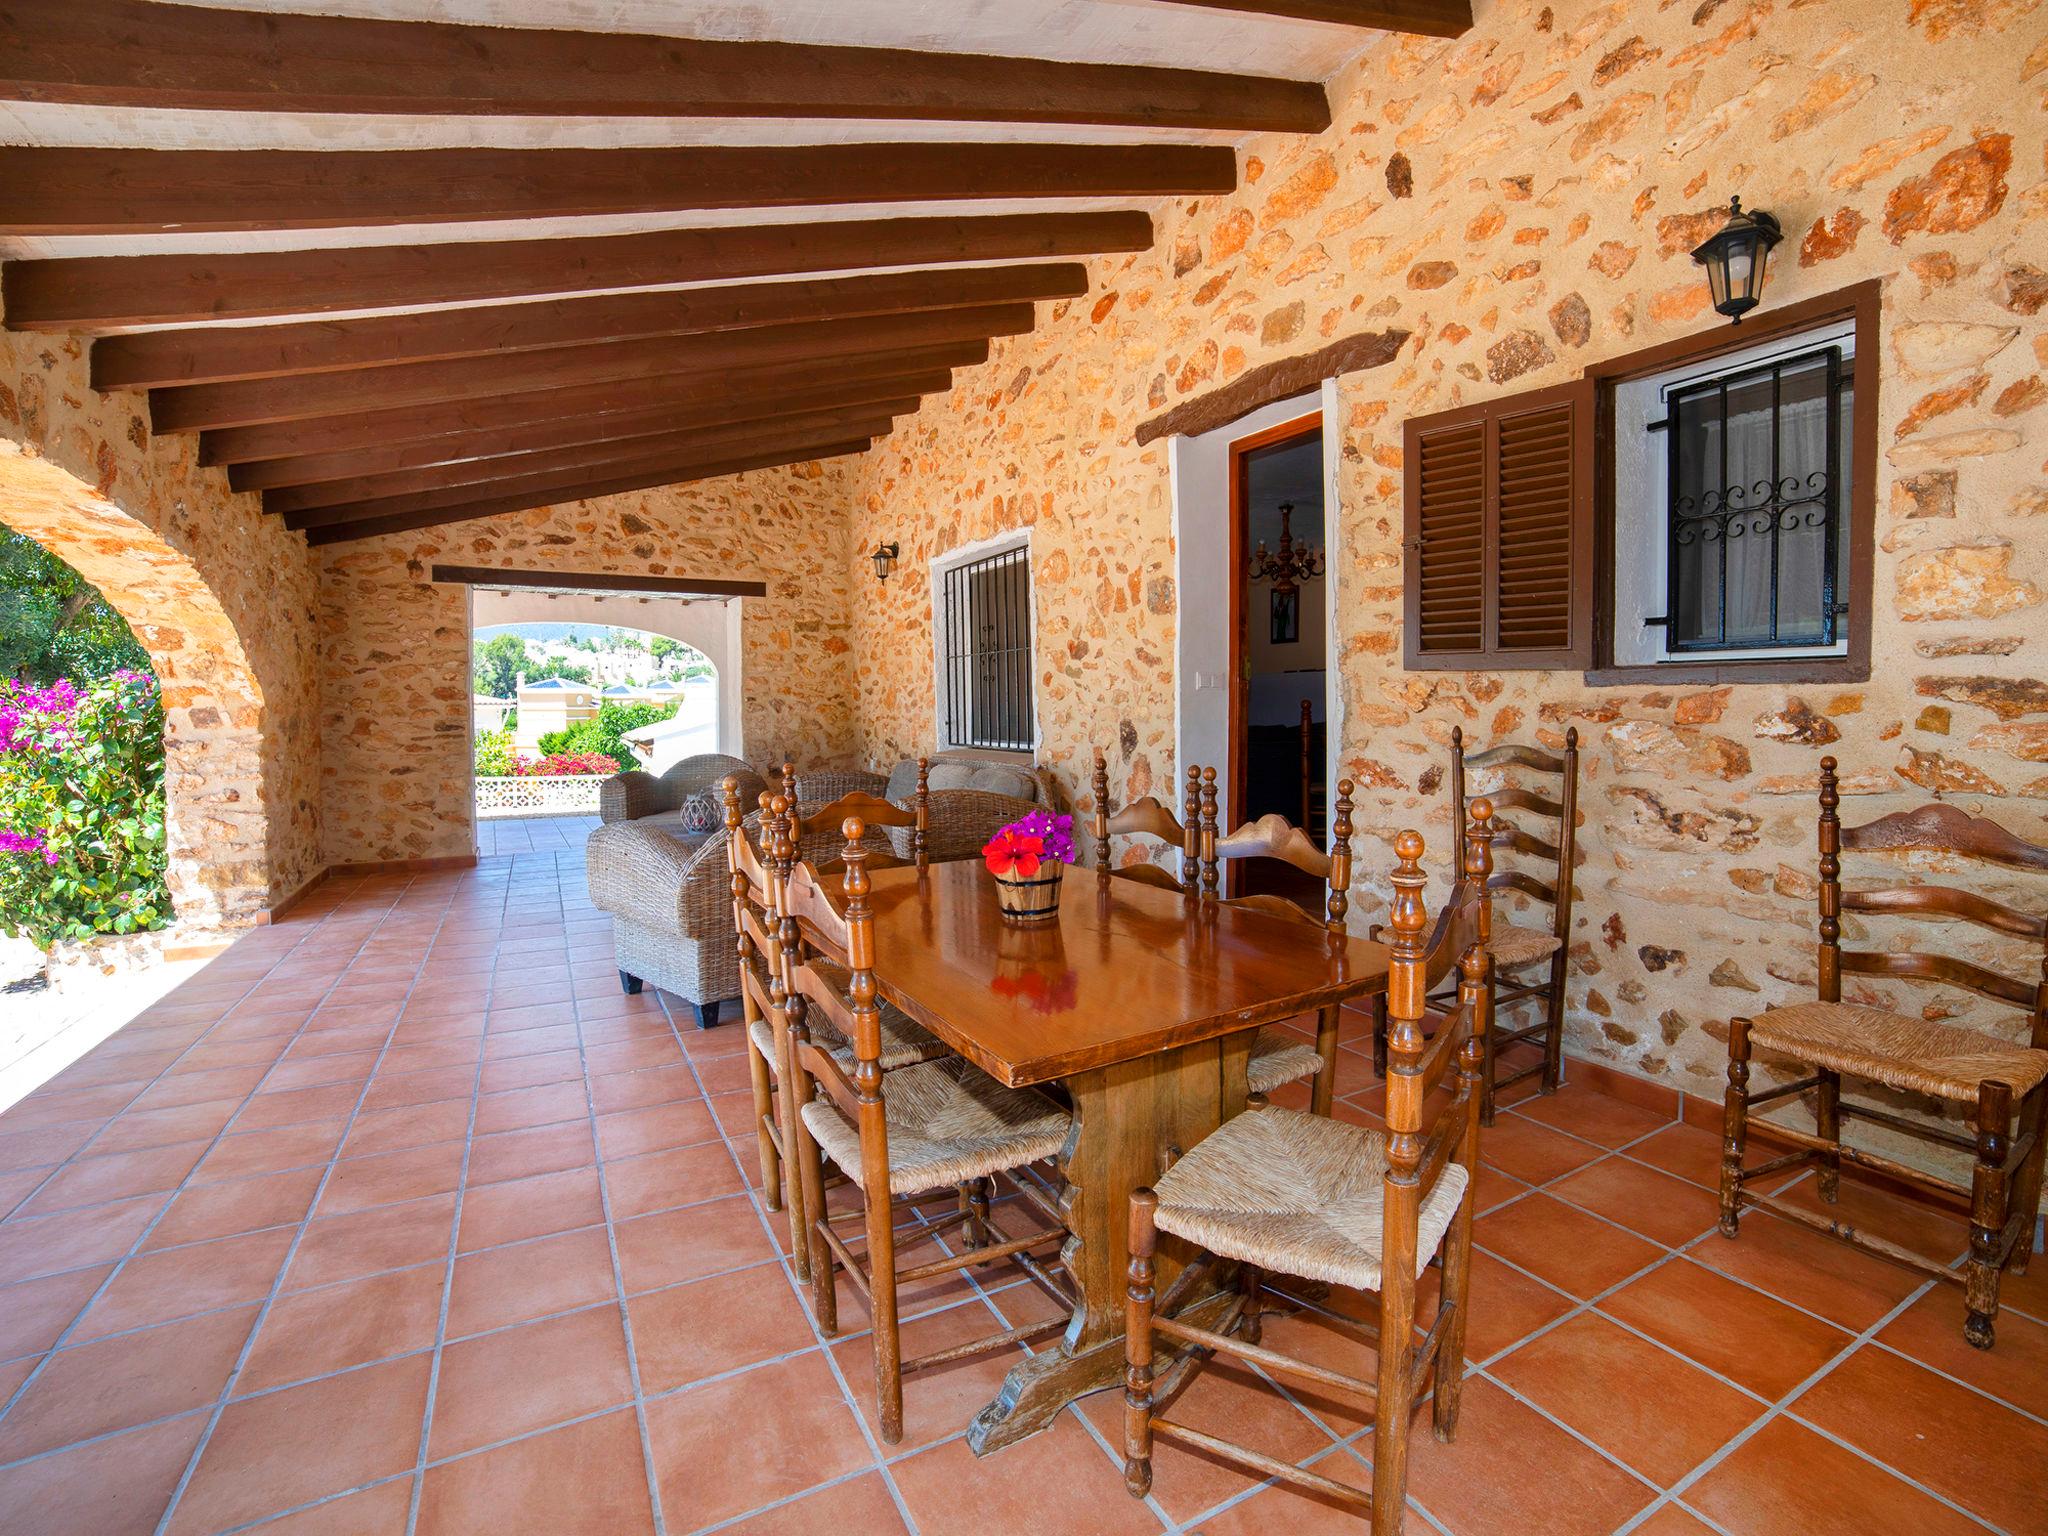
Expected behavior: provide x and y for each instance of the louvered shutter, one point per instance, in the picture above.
(1498, 534)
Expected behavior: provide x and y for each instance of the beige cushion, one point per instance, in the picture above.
(1898, 1050)
(964, 773)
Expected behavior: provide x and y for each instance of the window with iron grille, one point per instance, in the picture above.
(983, 619)
(1732, 505)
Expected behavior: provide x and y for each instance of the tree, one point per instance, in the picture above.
(498, 663)
(606, 733)
(661, 648)
(54, 624)
(574, 672)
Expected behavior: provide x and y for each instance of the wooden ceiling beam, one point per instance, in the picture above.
(216, 354)
(136, 53)
(87, 294)
(1422, 18)
(659, 447)
(763, 418)
(49, 192)
(690, 397)
(381, 518)
(960, 336)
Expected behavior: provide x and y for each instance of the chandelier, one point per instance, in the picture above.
(1290, 565)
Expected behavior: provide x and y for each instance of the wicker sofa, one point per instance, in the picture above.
(669, 890)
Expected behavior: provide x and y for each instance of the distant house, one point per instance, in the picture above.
(488, 714)
(553, 704)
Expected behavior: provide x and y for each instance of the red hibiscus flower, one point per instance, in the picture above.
(1008, 854)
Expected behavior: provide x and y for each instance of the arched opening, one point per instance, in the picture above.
(216, 833)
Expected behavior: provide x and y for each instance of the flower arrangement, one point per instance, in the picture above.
(1039, 838)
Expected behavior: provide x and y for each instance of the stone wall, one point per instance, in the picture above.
(1522, 202)
(220, 597)
(395, 717)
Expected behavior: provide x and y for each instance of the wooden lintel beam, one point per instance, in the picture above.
(97, 293)
(1274, 381)
(383, 522)
(1423, 18)
(69, 191)
(135, 53)
(216, 354)
(596, 581)
(691, 399)
(953, 333)
(768, 417)
(633, 452)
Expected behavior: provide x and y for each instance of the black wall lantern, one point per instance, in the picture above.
(1736, 257)
(885, 559)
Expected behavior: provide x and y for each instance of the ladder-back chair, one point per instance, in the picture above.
(1146, 818)
(1517, 949)
(814, 826)
(897, 1135)
(2000, 1086)
(1278, 1057)
(1286, 1194)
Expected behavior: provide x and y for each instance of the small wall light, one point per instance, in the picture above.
(1736, 257)
(885, 559)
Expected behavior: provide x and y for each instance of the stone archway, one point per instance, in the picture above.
(215, 823)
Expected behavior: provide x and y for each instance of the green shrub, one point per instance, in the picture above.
(495, 754)
(82, 808)
(604, 735)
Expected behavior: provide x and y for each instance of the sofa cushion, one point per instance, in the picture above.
(964, 773)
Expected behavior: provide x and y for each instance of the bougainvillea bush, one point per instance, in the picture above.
(82, 808)
(565, 764)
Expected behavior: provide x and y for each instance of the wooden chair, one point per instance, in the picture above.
(1993, 1080)
(1278, 1057)
(811, 826)
(1516, 949)
(1266, 1190)
(931, 1126)
(1146, 818)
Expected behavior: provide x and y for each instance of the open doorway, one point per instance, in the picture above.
(1279, 721)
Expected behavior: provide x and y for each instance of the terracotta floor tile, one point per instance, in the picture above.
(521, 1379)
(1512, 1470)
(636, 1090)
(1530, 1152)
(688, 1332)
(587, 1479)
(181, 1282)
(1742, 1334)
(48, 1245)
(1594, 1116)
(408, 1125)
(657, 1128)
(1941, 1235)
(530, 1016)
(267, 1110)
(550, 1039)
(523, 1208)
(633, 1055)
(2016, 1369)
(522, 1108)
(284, 1449)
(1786, 1478)
(297, 1072)
(529, 1280)
(310, 1333)
(242, 1154)
(1977, 1453)
(114, 1487)
(534, 1071)
(1685, 1151)
(860, 1506)
(427, 1055)
(34, 1313)
(1661, 1208)
(141, 1129)
(93, 1180)
(1507, 1306)
(526, 1153)
(1673, 1521)
(1279, 1508)
(114, 1383)
(370, 1512)
(40, 1148)
(389, 1177)
(690, 1244)
(236, 1206)
(1563, 1245)
(1617, 1390)
(658, 1181)
(366, 1242)
(1058, 1480)
(1818, 1273)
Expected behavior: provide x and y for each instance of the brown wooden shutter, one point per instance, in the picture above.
(1499, 534)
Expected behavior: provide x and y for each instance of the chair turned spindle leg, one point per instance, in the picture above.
(1138, 1347)
(1827, 1122)
(1989, 1190)
(764, 1110)
(975, 1195)
(1734, 1125)
(1323, 1089)
(1250, 1283)
(2026, 1187)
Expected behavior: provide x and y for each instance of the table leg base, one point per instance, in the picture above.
(1037, 1389)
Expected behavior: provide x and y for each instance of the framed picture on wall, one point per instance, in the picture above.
(1286, 619)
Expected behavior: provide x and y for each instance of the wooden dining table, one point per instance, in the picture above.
(1143, 1003)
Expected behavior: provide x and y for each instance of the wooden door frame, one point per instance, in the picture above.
(1310, 423)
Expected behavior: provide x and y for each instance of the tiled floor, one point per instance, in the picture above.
(400, 1218)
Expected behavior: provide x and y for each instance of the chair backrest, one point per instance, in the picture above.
(871, 810)
(1418, 1149)
(1934, 828)
(1275, 837)
(756, 918)
(1145, 818)
(1554, 885)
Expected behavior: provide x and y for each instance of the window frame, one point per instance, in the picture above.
(1858, 304)
(940, 567)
